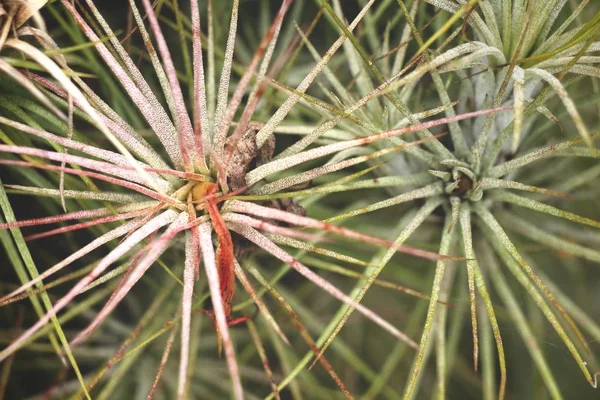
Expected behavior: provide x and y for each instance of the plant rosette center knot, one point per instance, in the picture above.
(460, 180)
(200, 190)
(205, 197)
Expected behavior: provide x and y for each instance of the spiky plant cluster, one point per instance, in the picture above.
(205, 179)
(473, 175)
(188, 192)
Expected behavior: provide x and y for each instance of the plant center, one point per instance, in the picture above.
(460, 180)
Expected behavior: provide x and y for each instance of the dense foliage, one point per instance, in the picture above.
(197, 195)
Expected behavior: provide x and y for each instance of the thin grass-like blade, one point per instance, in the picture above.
(391, 95)
(566, 99)
(547, 238)
(59, 75)
(263, 357)
(123, 131)
(158, 68)
(101, 166)
(300, 327)
(27, 84)
(493, 183)
(26, 269)
(105, 155)
(271, 228)
(163, 362)
(153, 251)
(85, 214)
(423, 192)
(440, 268)
(132, 70)
(464, 216)
(297, 244)
(336, 269)
(223, 92)
(112, 197)
(182, 121)
(294, 219)
(96, 243)
(208, 255)
(516, 314)
(154, 114)
(263, 242)
(201, 128)
(517, 270)
(268, 40)
(466, 227)
(119, 182)
(274, 166)
(504, 168)
(241, 275)
(192, 260)
(330, 167)
(519, 96)
(70, 127)
(156, 223)
(84, 225)
(210, 84)
(362, 287)
(505, 246)
(457, 12)
(285, 108)
(544, 208)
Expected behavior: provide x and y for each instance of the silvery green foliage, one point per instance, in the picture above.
(481, 180)
(178, 182)
(495, 83)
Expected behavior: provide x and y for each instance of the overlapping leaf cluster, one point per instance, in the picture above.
(171, 164)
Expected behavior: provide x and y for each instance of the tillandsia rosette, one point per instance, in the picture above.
(512, 57)
(172, 161)
(196, 181)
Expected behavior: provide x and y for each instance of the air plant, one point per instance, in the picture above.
(201, 191)
(471, 179)
(213, 181)
(525, 47)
